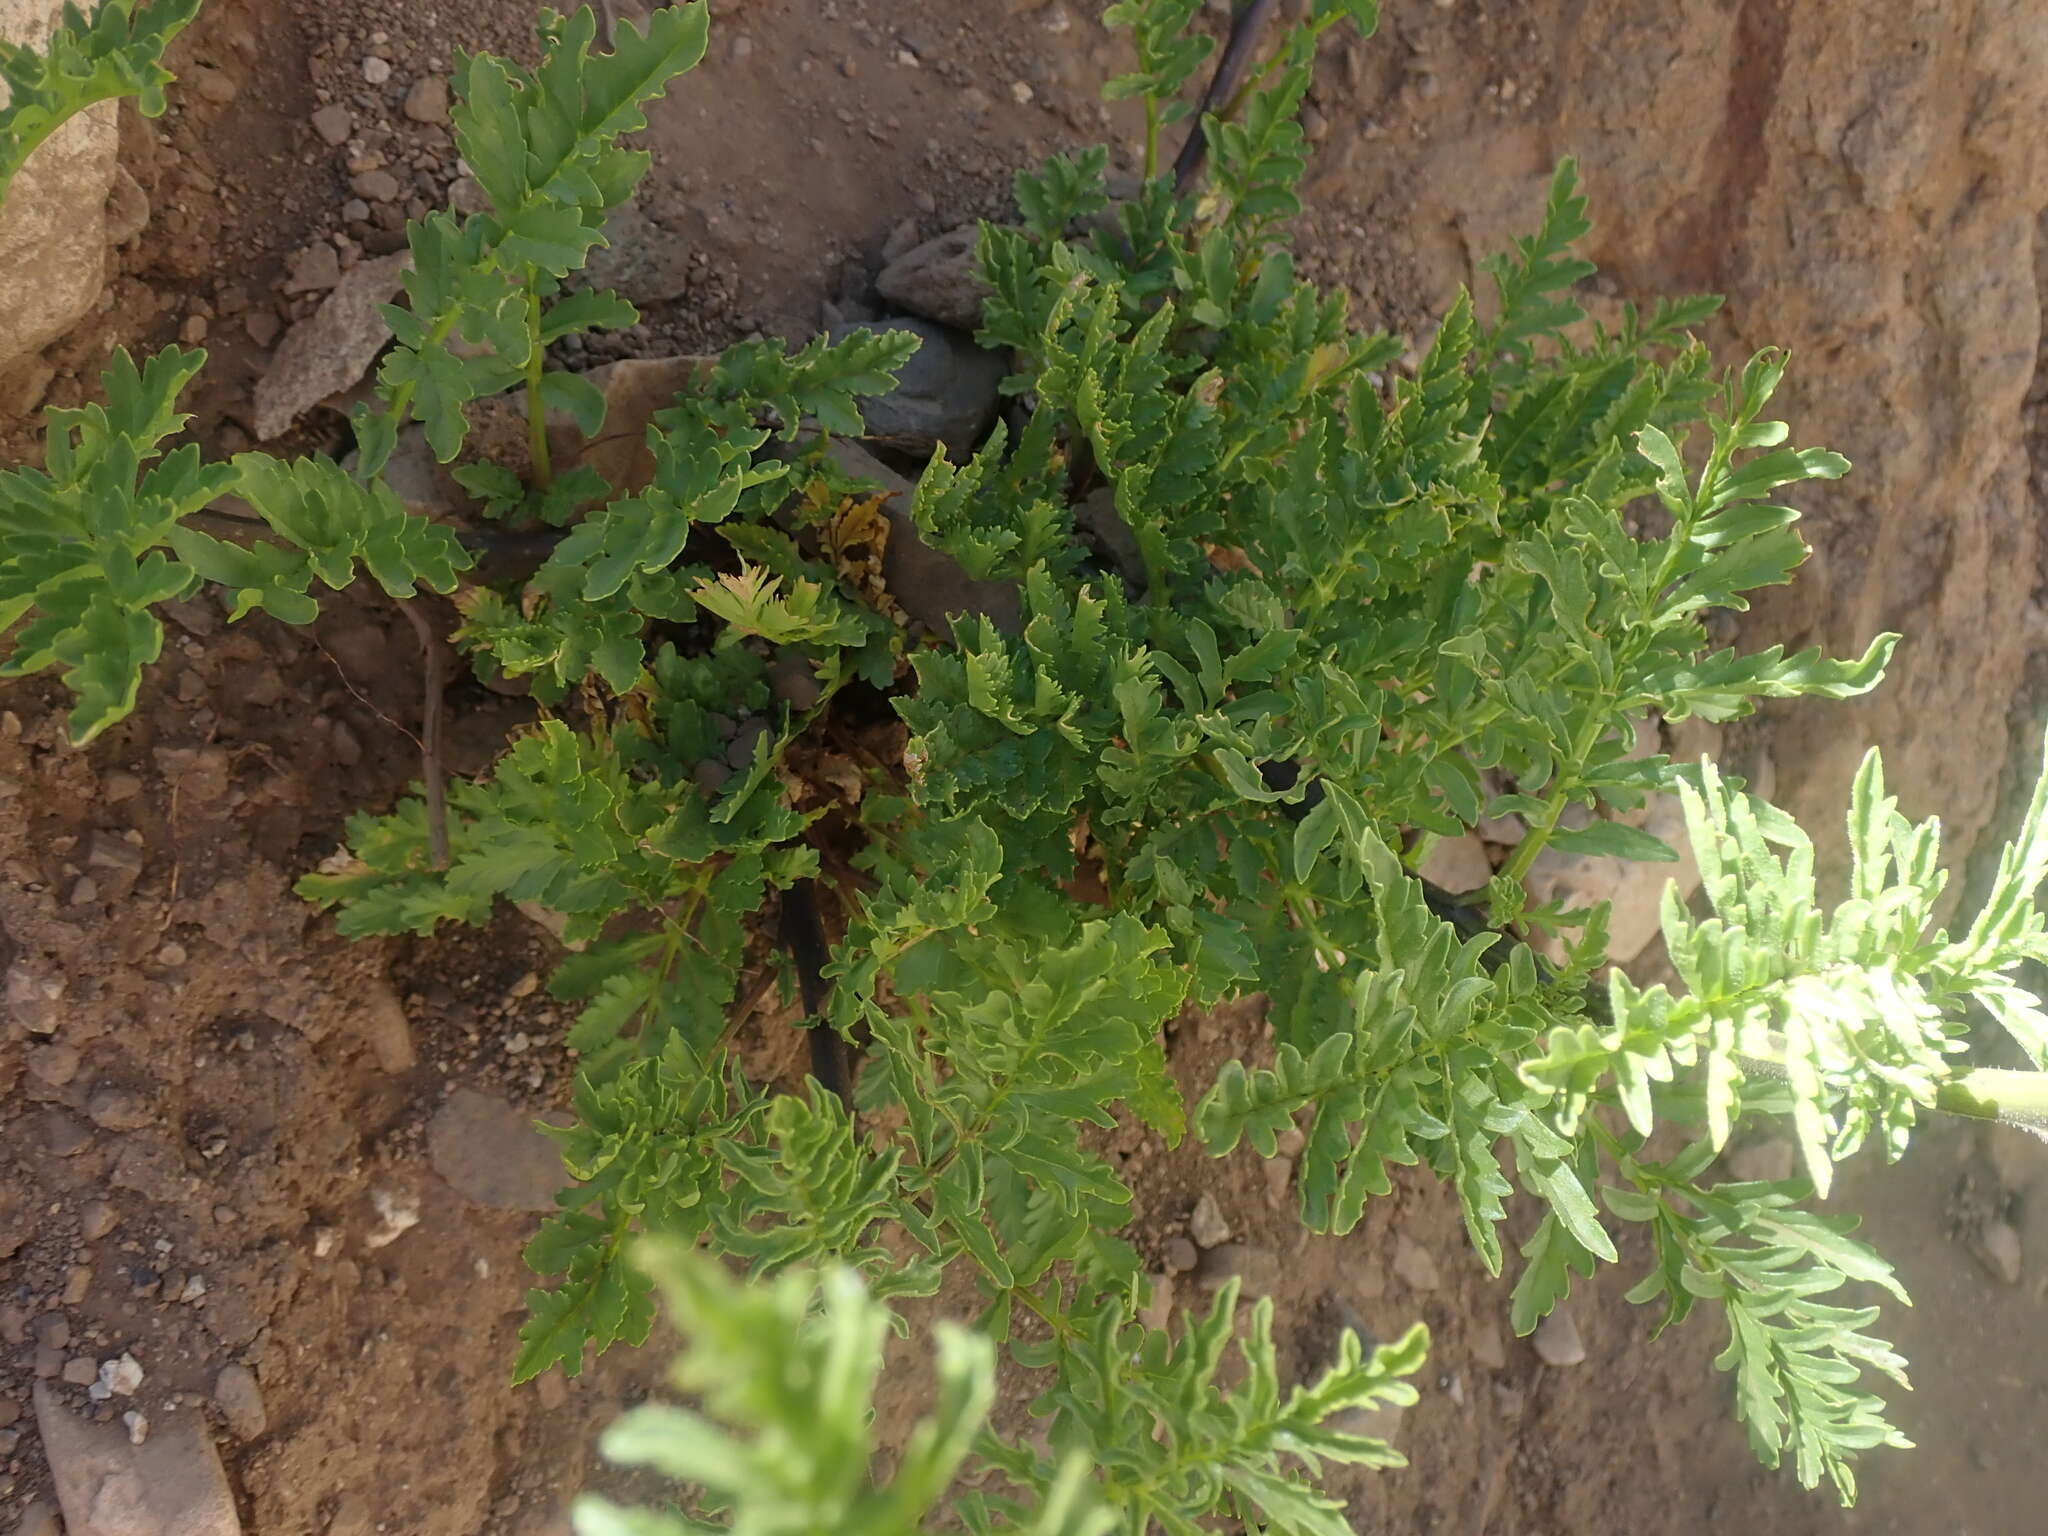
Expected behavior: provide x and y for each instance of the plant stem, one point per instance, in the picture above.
(2018, 1099)
(1991, 1093)
(1540, 833)
(1244, 35)
(435, 657)
(536, 409)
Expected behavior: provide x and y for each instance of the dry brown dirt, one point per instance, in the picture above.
(230, 1091)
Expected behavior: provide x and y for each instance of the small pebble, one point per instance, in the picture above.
(376, 70)
(1207, 1226)
(241, 1401)
(1557, 1340)
(116, 1109)
(377, 186)
(1021, 92)
(82, 1371)
(1180, 1255)
(96, 1221)
(1998, 1250)
(1279, 1173)
(792, 681)
(53, 1064)
(740, 754)
(122, 1375)
(1159, 1306)
(138, 1426)
(742, 48)
(427, 101)
(1412, 1262)
(213, 85)
(334, 124)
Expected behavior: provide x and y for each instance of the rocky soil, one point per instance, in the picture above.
(262, 1193)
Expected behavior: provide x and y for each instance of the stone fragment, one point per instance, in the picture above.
(241, 1401)
(1488, 1348)
(1180, 1255)
(54, 1064)
(642, 261)
(427, 101)
(397, 1214)
(1997, 1249)
(172, 1484)
(1415, 1266)
(1635, 890)
(63, 1134)
(313, 268)
(381, 1018)
(1255, 1267)
(1279, 1175)
(930, 584)
(490, 1153)
(378, 186)
(334, 124)
(1207, 1225)
(333, 347)
(1557, 1341)
(945, 394)
(793, 681)
(901, 242)
(127, 207)
(214, 85)
(114, 1108)
(1458, 864)
(1158, 1302)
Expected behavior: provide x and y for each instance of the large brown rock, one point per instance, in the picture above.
(53, 226)
(169, 1485)
(1864, 180)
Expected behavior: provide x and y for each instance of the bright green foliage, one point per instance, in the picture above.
(1360, 602)
(92, 542)
(1170, 1446)
(113, 54)
(544, 147)
(81, 540)
(784, 1443)
(1361, 593)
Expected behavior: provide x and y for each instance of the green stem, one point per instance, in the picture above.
(2018, 1099)
(1151, 137)
(536, 409)
(1993, 1093)
(1540, 832)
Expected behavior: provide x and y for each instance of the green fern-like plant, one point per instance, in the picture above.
(1267, 612)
